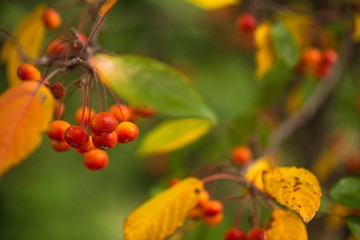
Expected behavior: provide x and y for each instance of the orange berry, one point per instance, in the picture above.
(256, 234)
(127, 132)
(235, 234)
(196, 213)
(83, 115)
(87, 147)
(213, 220)
(213, 208)
(56, 130)
(241, 155)
(51, 18)
(57, 48)
(95, 159)
(203, 198)
(105, 141)
(27, 71)
(103, 123)
(311, 56)
(59, 109)
(144, 112)
(121, 112)
(61, 146)
(76, 136)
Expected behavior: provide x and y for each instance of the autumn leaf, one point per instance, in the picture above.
(296, 188)
(213, 4)
(105, 8)
(160, 216)
(26, 110)
(30, 34)
(265, 54)
(254, 172)
(171, 135)
(286, 225)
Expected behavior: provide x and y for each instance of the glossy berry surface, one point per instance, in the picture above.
(241, 155)
(59, 146)
(256, 234)
(86, 148)
(51, 18)
(235, 234)
(105, 141)
(246, 23)
(76, 137)
(27, 71)
(95, 159)
(84, 115)
(121, 112)
(56, 130)
(212, 208)
(127, 132)
(103, 123)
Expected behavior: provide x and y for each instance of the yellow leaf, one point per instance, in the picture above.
(159, 217)
(265, 54)
(105, 8)
(213, 4)
(174, 134)
(254, 172)
(356, 32)
(26, 110)
(296, 188)
(30, 34)
(298, 24)
(286, 225)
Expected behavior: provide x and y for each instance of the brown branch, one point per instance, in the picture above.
(316, 101)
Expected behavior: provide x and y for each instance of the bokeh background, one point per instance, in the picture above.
(52, 196)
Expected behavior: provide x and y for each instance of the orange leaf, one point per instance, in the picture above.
(26, 110)
(286, 225)
(159, 217)
(296, 188)
(30, 34)
(105, 8)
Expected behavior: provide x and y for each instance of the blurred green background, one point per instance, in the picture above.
(52, 196)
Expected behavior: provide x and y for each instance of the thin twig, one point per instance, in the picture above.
(316, 101)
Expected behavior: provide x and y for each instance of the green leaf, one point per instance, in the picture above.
(347, 192)
(285, 47)
(171, 135)
(353, 223)
(146, 82)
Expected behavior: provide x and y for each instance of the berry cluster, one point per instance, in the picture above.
(106, 131)
(238, 234)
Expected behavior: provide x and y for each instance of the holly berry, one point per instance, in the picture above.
(127, 132)
(241, 155)
(76, 137)
(51, 18)
(246, 23)
(103, 123)
(256, 234)
(56, 130)
(84, 115)
(213, 208)
(121, 112)
(105, 141)
(235, 234)
(95, 159)
(61, 146)
(27, 71)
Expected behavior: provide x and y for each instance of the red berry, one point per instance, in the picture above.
(86, 148)
(241, 155)
(127, 132)
(256, 234)
(57, 48)
(76, 136)
(212, 208)
(59, 109)
(59, 146)
(329, 57)
(96, 159)
(323, 70)
(213, 220)
(105, 141)
(103, 123)
(56, 130)
(79, 41)
(235, 234)
(121, 112)
(27, 71)
(84, 115)
(51, 18)
(311, 56)
(246, 23)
